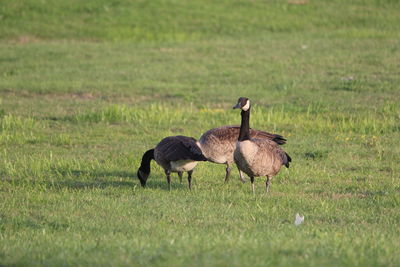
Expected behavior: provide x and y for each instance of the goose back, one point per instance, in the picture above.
(218, 144)
(178, 153)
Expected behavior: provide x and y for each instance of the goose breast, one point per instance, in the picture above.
(258, 157)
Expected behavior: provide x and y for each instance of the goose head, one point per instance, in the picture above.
(142, 177)
(243, 104)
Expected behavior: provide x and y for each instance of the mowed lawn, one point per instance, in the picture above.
(87, 88)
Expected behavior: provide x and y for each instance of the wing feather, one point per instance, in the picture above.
(231, 134)
(179, 147)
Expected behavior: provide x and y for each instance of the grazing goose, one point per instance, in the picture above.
(254, 156)
(174, 154)
(219, 143)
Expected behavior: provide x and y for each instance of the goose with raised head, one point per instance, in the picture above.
(255, 156)
(218, 145)
(174, 154)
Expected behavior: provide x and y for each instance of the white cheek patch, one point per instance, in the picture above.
(247, 106)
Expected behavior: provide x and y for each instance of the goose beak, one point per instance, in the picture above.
(237, 106)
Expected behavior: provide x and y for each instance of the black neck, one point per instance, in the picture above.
(145, 164)
(245, 126)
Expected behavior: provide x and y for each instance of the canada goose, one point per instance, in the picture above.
(254, 156)
(174, 154)
(218, 145)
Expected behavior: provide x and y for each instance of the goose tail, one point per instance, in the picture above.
(287, 160)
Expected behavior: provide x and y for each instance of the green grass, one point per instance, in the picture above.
(180, 21)
(87, 87)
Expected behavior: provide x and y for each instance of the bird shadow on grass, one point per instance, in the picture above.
(103, 184)
(83, 180)
(94, 179)
(162, 184)
(83, 185)
(105, 179)
(80, 180)
(102, 173)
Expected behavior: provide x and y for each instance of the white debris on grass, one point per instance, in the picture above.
(299, 219)
(348, 78)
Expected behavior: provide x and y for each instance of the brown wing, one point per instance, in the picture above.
(272, 156)
(265, 135)
(223, 133)
(231, 133)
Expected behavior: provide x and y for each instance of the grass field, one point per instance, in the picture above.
(87, 86)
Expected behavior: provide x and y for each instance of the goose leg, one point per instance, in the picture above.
(168, 173)
(241, 176)
(180, 176)
(190, 179)
(252, 184)
(267, 183)
(228, 172)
